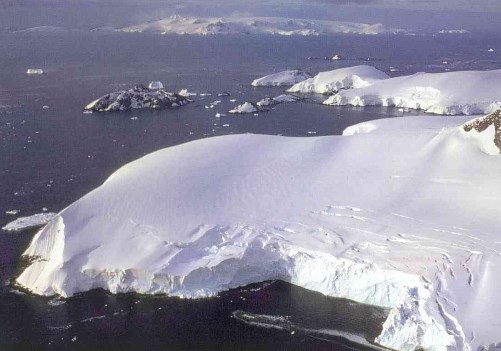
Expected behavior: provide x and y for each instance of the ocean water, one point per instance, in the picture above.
(50, 157)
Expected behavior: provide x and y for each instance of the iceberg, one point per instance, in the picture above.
(35, 71)
(277, 100)
(450, 93)
(338, 79)
(155, 85)
(136, 98)
(405, 216)
(283, 78)
(246, 107)
(22, 223)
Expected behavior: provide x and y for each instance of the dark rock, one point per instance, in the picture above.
(481, 124)
(135, 98)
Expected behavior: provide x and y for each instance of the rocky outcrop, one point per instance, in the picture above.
(135, 98)
(481, 124)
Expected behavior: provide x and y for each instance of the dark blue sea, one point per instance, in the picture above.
(50, 157)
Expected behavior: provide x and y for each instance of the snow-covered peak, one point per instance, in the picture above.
(256, 25)
(338, 79)
(283, 78)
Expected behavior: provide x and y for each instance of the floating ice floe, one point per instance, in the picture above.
(261, 105)
(453, 31)
(404, 217)
(450, 93)
(136, 98)
(338, 79)
(12, 212)
(34, 221)
(35, 71)
(277, 100)
(284, 78)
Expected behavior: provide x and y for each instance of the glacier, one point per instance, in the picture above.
(403, 215)
(449, 93)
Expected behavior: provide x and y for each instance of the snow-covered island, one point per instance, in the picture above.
(138, 97)
(284, 78)
(339, 79)
(257, 25)
(403, 215)
(22, 223)
(449, 93)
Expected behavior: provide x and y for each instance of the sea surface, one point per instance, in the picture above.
(51, 156)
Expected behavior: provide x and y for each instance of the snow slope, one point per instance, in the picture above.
(256, 25)
(289, 77)
(406, 216)
(450, 93)
(338, 79)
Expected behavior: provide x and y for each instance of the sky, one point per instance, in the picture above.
(474, 15)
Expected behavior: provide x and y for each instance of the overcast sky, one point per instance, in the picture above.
(409, 14)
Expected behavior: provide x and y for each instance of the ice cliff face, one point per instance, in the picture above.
(392, 217)
(449, 93)
(136, 98)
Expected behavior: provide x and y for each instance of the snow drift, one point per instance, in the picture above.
(406, 217)
(450, 93)
(338, 79)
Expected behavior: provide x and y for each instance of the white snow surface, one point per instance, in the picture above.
(289, 77)
(257, 25)
(406, 217)
(450, 93)
(338, 79)
(35, 220)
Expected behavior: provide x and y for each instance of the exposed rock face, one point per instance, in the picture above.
(137, 97)
(481, 124)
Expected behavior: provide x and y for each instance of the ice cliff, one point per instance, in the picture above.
(405, 216)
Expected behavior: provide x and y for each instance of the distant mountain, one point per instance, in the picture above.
(257, 25)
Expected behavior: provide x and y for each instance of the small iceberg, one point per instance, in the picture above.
(277, 100)
(155, 85)
(186, 93)
(35, 71)
(246, 107)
